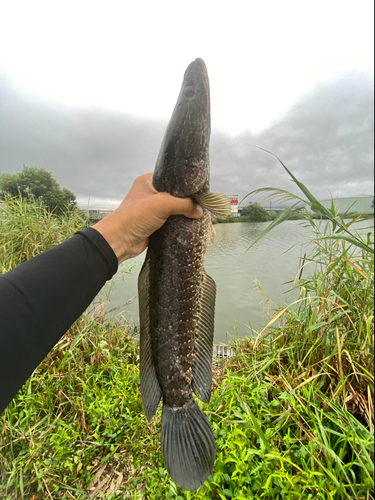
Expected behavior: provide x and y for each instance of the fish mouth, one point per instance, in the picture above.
(197, 67)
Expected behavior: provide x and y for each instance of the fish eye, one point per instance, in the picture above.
(189, 91)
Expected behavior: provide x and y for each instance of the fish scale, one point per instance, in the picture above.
(176, 296)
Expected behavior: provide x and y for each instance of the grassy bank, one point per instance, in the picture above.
(292, 415)
(27, 229)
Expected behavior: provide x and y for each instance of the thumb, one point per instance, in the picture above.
(182, 206)
(195, 213)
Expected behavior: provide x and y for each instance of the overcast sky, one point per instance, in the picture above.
(87, 89)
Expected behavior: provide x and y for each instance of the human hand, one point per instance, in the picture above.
(143, 211)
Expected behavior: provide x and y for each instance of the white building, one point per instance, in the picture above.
(233, 200)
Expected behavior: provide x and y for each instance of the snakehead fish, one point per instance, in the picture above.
(176, 296)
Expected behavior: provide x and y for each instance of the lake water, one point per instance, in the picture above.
(272, 262)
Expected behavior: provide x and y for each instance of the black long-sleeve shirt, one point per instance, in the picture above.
(41, 298)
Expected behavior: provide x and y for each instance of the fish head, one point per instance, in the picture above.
(182, 167)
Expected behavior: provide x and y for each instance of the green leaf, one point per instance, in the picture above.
(315, 204)
(350, 239)
(259, 431)
(281, 218)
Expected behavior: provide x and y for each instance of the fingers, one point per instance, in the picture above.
(170, 204)
(143, 211)
(180, 206)
(194, 213)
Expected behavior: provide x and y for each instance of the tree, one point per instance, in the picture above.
(37, 183)
(255, 213)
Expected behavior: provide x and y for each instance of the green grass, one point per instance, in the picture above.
(293, 416)
(73, 414)
(316, 368)
(27, 229)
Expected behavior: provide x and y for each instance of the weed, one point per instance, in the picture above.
(293, 417)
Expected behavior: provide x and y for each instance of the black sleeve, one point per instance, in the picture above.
(41, 298)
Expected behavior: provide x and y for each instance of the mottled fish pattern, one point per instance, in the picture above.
(176, 296)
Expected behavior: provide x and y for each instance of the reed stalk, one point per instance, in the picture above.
(293, 416)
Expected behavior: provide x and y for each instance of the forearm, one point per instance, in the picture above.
(41, 298)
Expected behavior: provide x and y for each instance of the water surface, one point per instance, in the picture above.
(272, 262)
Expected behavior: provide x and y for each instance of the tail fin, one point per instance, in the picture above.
(187, 445)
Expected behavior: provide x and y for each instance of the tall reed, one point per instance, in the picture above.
(28, 228)
(316, 355)
(293, 417)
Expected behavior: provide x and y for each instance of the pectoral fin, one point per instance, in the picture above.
(204, 335)
(150, 388)
(216, 203)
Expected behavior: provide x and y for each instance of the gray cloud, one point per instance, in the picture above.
(326, 139)
(88, 151)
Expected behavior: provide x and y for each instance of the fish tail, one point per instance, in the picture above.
(187, 445)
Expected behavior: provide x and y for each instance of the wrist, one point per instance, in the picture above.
(109, 232)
